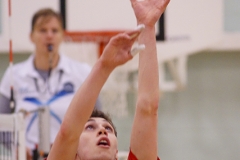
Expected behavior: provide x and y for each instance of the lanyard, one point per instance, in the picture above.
(47, 88)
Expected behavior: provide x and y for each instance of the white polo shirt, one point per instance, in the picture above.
(32, 92)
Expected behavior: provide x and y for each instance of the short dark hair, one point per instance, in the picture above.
(100, 114)
(46, 13)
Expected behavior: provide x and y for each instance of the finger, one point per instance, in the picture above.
(138, 30)
(137, 49)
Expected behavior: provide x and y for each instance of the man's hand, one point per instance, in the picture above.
(118, 50)
(148, 12)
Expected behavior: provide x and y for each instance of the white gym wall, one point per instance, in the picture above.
(201, 121)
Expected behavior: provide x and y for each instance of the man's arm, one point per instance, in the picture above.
(4, 104)
(82, 104)
(144, 132)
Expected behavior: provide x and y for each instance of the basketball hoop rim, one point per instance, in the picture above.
(100, 36)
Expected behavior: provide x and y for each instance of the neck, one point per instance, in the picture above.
(41, 62)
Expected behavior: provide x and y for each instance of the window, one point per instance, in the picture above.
(231, 15)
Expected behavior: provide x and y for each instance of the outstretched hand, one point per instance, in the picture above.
(117, 51)
(148, 12)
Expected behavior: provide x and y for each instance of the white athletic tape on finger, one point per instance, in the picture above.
(137, 49)
(140, 27)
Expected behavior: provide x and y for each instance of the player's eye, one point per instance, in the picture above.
(90, 127)
(109, 129)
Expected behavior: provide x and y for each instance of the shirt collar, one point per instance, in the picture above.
(29, 69)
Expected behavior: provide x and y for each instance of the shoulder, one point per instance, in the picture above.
(16, 68)
(19, 65)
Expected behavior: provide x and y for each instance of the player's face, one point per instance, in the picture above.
(47, 31)
(98, 141)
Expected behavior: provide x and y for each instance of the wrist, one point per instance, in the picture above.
(104, 66)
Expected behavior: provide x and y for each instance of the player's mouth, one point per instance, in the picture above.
(104, 142)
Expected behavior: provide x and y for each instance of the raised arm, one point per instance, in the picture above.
(144, 132)
(116, 53)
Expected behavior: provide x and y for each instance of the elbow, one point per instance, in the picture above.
(148, 104)
(65, 133)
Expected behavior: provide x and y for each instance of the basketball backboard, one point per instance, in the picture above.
(189, 25)
(186, 28)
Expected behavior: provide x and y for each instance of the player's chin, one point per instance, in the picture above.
(107, 153)
(104, 156)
